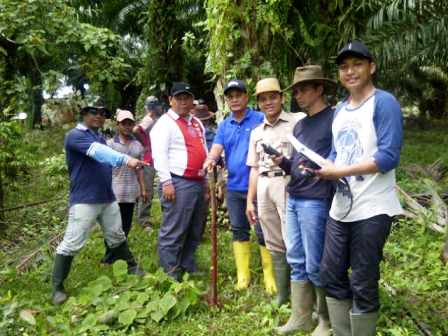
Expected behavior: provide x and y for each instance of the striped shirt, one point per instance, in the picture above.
(124, 179)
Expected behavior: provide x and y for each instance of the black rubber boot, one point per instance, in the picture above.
(61, 269)
(122, 252)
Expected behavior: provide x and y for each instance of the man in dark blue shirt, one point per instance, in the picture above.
(308, 203)
(232, 138)
(90, 163)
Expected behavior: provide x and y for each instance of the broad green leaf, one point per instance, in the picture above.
(120, 268)
(167, 302)
(127, 317)
(157, 316)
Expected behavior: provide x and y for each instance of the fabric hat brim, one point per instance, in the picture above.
(326, 81)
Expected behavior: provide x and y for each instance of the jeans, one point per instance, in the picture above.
(305, 234)
(236, 207)
(359, 246)
(81, 219)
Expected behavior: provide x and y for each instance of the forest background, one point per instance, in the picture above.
(124, 51)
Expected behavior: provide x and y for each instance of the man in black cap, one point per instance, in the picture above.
(232, 138)
(153, 111)
(367, 138)
(179, 152)
(90, 163)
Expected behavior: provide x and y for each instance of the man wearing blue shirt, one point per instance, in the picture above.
(367, 138)
(232, 138)
(90, 163)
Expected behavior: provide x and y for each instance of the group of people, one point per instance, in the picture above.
(321, 226)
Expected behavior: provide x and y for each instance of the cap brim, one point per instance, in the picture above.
(182, 91)
(236, 88)
(343, 55)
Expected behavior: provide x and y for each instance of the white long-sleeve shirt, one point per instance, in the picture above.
(178, 147)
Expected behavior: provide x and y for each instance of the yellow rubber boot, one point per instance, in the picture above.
(268, 271)
(241, 251)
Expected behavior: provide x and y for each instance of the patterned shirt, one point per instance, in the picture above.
(124, 179)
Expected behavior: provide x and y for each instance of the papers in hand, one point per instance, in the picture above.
(304, 150)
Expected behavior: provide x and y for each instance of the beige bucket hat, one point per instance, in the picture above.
(311, 73)
(267, 85)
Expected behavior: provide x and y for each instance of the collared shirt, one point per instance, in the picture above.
(273, 135)
(178, 146)
(90, 180)
(234, 136)
(124, 179)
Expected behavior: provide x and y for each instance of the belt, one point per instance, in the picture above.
(272, 173)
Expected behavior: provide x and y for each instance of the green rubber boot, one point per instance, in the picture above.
(339, 311)
(302, 302)
(323, 326)
(364, 324)
(61, 269)
(282, 273)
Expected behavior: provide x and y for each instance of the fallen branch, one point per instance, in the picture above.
(25, 262)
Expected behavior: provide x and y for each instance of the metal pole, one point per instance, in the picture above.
(213, 294)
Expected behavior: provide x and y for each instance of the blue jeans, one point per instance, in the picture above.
(306, 219)
(236, 207)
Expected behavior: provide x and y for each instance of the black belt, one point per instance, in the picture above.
(272, 174)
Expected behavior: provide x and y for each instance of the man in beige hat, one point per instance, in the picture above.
(308, 203)
(267, 182)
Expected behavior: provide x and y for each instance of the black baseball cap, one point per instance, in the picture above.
(98, 105)
(235, 84)
(181, 87)
(354, 48)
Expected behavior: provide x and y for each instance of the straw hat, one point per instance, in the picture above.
(267, 85)
(310, 73)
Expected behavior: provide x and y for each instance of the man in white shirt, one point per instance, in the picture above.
(179, 151)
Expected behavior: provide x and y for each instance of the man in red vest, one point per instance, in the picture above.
(179, 151)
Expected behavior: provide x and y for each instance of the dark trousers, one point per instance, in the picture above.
(236, 207)
(126, 213)
(359, 246)
(182, 226)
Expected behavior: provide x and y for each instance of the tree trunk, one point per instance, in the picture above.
(37, 99)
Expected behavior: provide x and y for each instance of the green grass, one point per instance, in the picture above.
(411, 267)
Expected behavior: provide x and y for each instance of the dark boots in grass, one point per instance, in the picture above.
(122, 252)
(61, 269)
(282, 273)
(63, 263)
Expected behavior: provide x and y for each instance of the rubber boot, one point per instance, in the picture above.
(364, 324)
(339, 312)
(282, 273)
(268, 271)
(61, 269)
(323, 326)
(241, 251)
(302, 302)
(122, 252)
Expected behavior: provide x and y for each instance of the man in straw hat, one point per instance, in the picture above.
(267, 182)
(308, 203)
(232, 138)
(367, 138)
